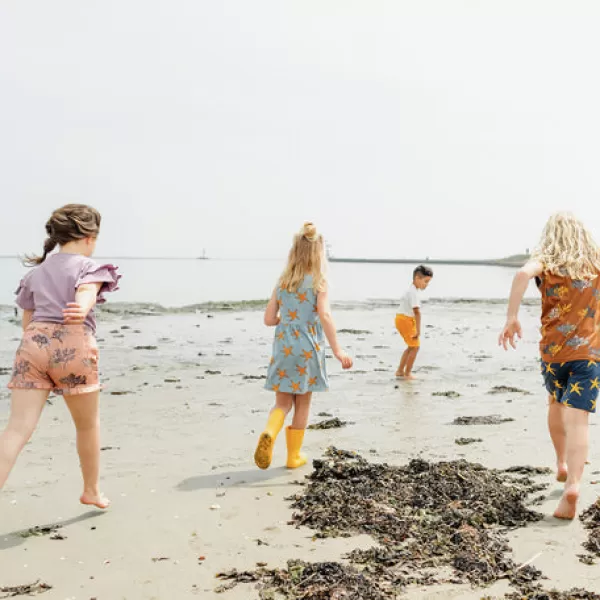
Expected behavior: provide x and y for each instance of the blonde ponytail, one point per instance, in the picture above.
(306, 257)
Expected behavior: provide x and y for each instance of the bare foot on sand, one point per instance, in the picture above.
(97, 500)
(567, 507)
(399, 374)
(410, 377)
(561, 473)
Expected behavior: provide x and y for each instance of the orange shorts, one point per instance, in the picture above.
(59, 358)
(407, 328)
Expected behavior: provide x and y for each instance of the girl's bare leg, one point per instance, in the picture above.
(284, 402)
(577, 447)
(85, 413)
(556, 427)
(301, 411)
(25, 410)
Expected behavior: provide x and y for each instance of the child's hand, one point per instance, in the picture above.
(511, 330)
(344, 359)
(74, 314)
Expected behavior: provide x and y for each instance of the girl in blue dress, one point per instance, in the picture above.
(299, 309)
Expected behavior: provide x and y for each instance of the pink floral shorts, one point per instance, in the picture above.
(59, 358)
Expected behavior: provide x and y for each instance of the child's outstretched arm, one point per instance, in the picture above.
(85, 300)
(513, 329)
(324, 310)
(272, 312)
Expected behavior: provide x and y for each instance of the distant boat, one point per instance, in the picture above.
(203, 257)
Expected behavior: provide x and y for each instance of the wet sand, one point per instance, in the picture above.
(180, 424)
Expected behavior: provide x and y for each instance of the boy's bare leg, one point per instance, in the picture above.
(577, 446)
(556, 427)
(410, 363)
(402, 368)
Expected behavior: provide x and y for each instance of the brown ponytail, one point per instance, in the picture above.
(67, 224)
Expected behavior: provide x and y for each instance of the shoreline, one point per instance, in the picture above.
(156, 309)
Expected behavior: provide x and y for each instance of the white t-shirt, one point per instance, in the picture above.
(409, 302)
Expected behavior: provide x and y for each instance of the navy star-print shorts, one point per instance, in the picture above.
(575, 384)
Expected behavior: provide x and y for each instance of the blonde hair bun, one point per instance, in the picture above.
(306, 258)
(309, 231)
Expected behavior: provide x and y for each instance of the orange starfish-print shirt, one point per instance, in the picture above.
(570, 318)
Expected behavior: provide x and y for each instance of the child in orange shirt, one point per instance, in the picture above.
(565, 266)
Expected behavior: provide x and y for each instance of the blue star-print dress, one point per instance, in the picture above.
(298, 360)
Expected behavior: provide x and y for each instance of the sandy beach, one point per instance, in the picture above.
(181, 412)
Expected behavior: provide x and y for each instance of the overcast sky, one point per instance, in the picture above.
(401, 128)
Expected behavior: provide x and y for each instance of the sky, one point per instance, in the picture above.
(402, 129)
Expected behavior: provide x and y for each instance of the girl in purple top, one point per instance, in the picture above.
(58, 352)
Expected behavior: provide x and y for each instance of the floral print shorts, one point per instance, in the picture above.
(59, 358)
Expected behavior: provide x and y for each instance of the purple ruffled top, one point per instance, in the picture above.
(47, 289)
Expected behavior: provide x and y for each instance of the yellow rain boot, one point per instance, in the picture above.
(294, 438)
(266, 442)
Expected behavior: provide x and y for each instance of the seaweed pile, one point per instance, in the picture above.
(435, 522)
(466, 441)
(311, 581)
(537, 593)
(486, 420)
(426, 516)
(591, 523)
(334, 423)
(29, 589)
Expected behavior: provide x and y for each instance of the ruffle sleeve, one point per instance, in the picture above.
(105, 274)
(24, 294)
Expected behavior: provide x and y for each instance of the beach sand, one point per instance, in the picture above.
(180, 424)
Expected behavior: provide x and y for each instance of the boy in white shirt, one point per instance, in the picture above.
(408, 320)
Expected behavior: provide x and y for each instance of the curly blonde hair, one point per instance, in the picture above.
(307, 257)
(567, 248)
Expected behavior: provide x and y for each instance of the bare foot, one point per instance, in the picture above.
(561, 473)
(410, 377)
(97, 500)
(567, 507)
(399, 374)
